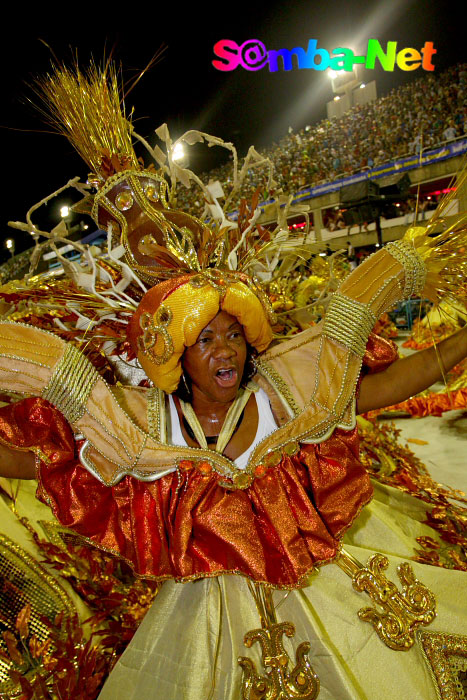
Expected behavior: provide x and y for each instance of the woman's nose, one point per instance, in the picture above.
(223, 348)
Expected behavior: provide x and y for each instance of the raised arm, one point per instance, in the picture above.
(16, 464)
(410, 375)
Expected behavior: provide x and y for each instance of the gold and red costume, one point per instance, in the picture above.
(183, 513)
(186, 524)
(179, 512)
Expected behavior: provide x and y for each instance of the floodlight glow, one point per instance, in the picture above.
(64, 211)
(178, 152)
(9, 243)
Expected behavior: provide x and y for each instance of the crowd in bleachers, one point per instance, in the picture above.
(416, 116)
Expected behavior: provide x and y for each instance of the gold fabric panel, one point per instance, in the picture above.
(189, 642)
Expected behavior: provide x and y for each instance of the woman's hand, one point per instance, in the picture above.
(16, 464)
(410, 375)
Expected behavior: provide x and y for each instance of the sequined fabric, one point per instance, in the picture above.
(35, 423)
(186, 525)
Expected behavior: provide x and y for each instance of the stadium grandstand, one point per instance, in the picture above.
(408, 144)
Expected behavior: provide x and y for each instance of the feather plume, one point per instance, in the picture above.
(442, 244)
(86, 107)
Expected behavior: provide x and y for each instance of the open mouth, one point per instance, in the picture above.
(226, 377)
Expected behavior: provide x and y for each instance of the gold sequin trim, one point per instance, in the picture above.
(142, 195)
(112, 181)
(26, 581)
(154, 410)
(446, 657)
(71, 384)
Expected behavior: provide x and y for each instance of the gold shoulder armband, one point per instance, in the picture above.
(71, 384)
(349, 322)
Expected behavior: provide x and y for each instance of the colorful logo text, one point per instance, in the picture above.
(253, 55)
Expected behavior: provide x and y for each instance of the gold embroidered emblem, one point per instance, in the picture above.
(279, 682)
(151, 331)
(398, 614)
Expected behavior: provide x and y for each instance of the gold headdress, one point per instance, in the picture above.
(160, 243)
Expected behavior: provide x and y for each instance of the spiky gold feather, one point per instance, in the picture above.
(87, 108)
(444, 253)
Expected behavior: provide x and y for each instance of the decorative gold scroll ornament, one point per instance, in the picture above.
(400, 613)
(279, 682)
(151, 331)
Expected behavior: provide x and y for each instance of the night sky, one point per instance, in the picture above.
(184, 89)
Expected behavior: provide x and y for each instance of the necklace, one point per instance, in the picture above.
(232, 420)
(210, 439)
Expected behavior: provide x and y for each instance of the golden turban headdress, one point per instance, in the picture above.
(186, 262)
(172, 314)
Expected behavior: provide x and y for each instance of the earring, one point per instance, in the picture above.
(185, 384)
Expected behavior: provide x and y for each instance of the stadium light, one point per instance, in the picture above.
(178, 152)
(9, 244)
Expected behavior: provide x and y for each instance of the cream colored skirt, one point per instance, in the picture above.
(188, 644)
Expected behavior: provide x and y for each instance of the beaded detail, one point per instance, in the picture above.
(349, 322)
(71, 384)
(446, 657)
(415, 270)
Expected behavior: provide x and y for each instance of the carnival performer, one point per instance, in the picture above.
(238, 472)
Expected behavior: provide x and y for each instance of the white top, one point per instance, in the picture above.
(266, 425)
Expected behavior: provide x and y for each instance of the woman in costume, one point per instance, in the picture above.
(274, 497)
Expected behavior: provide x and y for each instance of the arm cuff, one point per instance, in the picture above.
(71, 383)
(415, 270)
(349, 323)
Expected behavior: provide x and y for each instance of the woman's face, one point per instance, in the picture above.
(216, 361)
